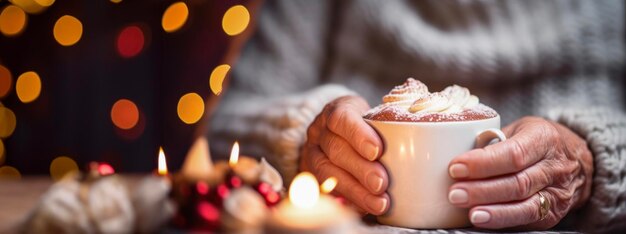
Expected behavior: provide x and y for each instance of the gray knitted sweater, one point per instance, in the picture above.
(563, 60)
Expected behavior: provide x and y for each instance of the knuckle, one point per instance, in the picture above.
(518, 155)
(336, 118)
(320, 165)
(551, 133)
(310, 132)
(523, 185)
(334, 147)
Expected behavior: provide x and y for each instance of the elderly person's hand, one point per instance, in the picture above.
(341, 144)
(502, 183)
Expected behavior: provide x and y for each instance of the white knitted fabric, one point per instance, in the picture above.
(548, 58)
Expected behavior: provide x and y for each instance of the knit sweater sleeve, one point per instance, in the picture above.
(275, 90)
(605, 133)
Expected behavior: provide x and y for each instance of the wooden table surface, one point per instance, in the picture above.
(19, 197)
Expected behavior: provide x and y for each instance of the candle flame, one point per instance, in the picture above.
(234, 155)
(162, 170)
(329, 184)
(304, 190)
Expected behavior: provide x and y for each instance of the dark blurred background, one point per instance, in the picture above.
(124, 53)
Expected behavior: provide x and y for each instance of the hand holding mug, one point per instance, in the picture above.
(504, 182)
(340, 144)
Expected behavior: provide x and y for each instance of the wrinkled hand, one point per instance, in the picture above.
(341, 144)
(500, 183)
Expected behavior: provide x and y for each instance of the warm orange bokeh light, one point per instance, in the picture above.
(62, 165)
(6, 80)
(236, 20)
(217, 78)
(175, 17)
(190, 108)
(12, 20)
(7, 122)
(33, 6)
(9, 173)
(28, 86)
(44, 3)
(124, 114)
(68, 30)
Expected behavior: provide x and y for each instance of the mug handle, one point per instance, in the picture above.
(484, 138)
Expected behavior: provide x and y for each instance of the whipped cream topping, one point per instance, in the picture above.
(414, 95)
(412, 101)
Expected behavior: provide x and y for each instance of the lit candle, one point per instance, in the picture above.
(162, 165)
(308, 211)
(246, 168)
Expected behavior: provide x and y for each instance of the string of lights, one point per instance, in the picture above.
(126, 114)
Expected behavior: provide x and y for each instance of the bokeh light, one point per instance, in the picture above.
(328, 185)
(130, 41)
(7, 122)
(9, 173)
(124, 114)
(217, 78)
(33, 6)
(6, 81)
(12, 20)
(235, 20)
(28, 86)
(304, 190)
(116, 1)
(68, 30)
(175, 16)
(190, 108)
(45, 3)
(62, 165)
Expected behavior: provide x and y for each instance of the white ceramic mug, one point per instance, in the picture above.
(416, 156)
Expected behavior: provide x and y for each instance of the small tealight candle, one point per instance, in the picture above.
(306, 211)
(244, 167)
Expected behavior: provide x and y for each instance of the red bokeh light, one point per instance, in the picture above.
(208, 212)
(272, 198)
(202, 188)
(264, 188)
(235, 182)
(130, 41)
(105, 169)
(222, 191)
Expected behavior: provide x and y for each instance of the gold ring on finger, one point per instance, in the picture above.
(544, 206)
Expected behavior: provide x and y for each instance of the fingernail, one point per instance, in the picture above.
(458, 170)
(371, 151)
(375, 182)
(458, 196)
(480, 216)
(378, 204)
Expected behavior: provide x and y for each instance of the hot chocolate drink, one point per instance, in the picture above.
(412, 102)
(421, 133)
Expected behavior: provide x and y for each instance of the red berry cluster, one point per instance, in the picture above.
(201, 204)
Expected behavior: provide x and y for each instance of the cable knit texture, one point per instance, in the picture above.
(551, 58)
(605, 132)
